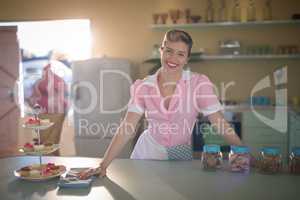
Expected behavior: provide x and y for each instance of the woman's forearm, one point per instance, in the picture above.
(119, 140)
(124, 133)
(223, 128)
(230, 135)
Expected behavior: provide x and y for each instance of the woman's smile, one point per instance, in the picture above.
(171, 65)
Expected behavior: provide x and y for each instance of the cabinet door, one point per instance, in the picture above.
(294, 130)
(257, 135)
(251, 120)
(264, 135)
(9, 73)
(211, 136)
(255, 149)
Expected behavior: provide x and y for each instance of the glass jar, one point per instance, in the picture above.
(270, 160)
(211, 157)
(239, 159)
(294, 162)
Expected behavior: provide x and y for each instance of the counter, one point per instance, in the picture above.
(141, 179)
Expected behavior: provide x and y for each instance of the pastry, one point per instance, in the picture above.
(39, 147)
(33, 122)
(40, 171)
(24, 173)
(28, 147)
(48, 146)
(35, 173)
(44, 122)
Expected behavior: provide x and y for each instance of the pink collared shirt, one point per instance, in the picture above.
(173, 126)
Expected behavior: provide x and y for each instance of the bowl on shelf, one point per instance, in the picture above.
(155, 17)
(164, 17)
(195, 18)
(174, 15)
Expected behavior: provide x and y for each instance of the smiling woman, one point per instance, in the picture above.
(175, 50)
(171, 100)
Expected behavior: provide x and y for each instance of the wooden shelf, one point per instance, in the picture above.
(249, 57)
(203, 25)
(233, 57)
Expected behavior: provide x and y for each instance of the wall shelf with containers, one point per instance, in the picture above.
(197, 58)
(229, 24)
(219, 15)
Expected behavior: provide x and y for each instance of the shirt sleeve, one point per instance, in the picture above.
(206, 99)
(137, 100)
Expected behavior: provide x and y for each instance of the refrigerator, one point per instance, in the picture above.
(101, 92)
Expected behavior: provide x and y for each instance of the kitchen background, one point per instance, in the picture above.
(124, 29)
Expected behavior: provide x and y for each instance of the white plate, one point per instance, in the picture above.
(41, 127)
(54, 148)
(28, 178)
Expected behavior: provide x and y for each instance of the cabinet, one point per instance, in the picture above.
(294, 130)
(95, 128)
(256, 134)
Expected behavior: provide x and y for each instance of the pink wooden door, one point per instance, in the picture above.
(9, 73)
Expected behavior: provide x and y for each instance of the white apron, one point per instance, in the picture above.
(147, 148)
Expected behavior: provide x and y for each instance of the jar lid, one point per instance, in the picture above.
(212, 148)
(296, 151)
(271, 150)
(239, 149)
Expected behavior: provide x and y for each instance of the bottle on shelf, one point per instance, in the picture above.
(187, 13)
(222, 12)
(209, 14)
(251, 11)
(267, 10)
(236, 11)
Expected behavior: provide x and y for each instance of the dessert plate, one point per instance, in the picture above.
(40, 172)
(41, 127)
(44, 151)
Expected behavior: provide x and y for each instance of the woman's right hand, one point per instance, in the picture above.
(99, 171)
(124, 133)
(102, 170)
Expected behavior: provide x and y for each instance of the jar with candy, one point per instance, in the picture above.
(239, 159)
(294, 162)
(270, 160)
(211, 157)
